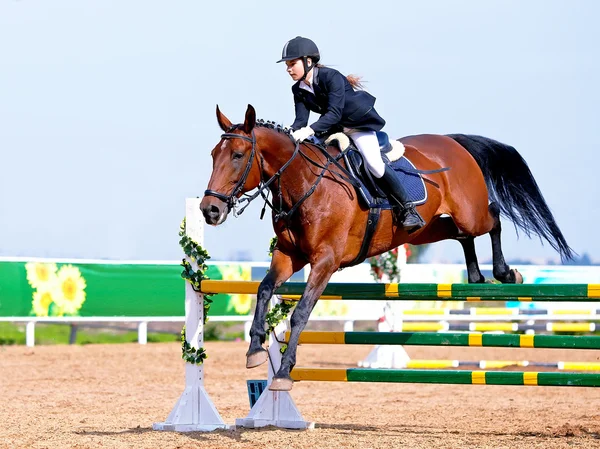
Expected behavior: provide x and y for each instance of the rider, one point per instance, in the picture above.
(327, 92)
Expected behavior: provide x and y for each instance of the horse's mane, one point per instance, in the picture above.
(267, 124)
(287, 132)
(272, 125)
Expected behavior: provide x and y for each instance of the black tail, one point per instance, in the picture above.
(512, 186)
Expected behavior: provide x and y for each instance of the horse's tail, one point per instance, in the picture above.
(512, 186)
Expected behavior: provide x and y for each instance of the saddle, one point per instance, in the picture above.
(367, 190)
(392, 154)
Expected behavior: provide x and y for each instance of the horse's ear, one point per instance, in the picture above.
(224, 122)
(250, 120)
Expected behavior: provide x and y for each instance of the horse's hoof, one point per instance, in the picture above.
(518, 276)
(281, 384)
(256, 359)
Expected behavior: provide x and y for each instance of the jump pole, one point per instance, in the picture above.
(194, 411)
(269, 406)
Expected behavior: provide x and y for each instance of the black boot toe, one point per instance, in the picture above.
(412, 220)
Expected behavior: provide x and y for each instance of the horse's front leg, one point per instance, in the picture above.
(281, 269)
(317, 281)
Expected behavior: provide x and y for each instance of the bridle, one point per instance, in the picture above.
(231, 200)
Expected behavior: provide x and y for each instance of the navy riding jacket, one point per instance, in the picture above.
(337, 102)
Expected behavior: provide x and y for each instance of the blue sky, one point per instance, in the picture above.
(107, 107)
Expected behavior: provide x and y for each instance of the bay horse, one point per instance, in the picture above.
(318, 219)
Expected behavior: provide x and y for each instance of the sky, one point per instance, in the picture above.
(107, 108)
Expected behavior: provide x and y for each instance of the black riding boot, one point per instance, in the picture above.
(409, 217)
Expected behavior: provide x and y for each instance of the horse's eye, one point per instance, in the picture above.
(238, 155)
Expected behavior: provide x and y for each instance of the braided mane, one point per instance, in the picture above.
(266, 124)
(272, 125)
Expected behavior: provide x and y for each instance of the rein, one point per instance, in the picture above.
(232, 200)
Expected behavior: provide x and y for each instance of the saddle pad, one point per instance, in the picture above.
(412, 182)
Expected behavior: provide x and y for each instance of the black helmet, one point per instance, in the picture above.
(300, 47)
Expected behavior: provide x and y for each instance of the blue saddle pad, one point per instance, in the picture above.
(405, 170)
(412, 182)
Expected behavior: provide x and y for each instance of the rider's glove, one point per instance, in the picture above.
(302, 134)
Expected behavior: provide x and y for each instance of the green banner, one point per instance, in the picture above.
(48, 288)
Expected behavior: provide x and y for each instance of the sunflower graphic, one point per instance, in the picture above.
(241, 304)
(40, 274)
(57, 291)
(42, 300)
(69, 289)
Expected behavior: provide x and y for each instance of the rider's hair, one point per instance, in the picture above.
(354, 80)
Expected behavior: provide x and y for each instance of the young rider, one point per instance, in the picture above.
(327, 92)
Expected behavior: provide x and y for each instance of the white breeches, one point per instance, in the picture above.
(366, 142)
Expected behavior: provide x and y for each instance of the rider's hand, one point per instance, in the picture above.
(302, 134)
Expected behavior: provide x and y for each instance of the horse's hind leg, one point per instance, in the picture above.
(474, 275)
(502, 271)
(282, 267)
(445, 228)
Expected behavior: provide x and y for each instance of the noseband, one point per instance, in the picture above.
(232, 199)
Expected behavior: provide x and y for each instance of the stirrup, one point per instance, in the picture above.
(411, 219)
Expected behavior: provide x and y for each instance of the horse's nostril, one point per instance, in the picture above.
(211, 213)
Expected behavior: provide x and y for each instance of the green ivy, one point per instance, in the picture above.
(385, 263)
(191, 354)
(195, 252)
(278, 313)
(272, 245)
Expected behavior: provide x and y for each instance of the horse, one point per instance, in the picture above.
(319, 220)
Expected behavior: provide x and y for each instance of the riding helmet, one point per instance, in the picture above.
(300, 47)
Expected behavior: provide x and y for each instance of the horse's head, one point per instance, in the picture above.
(235, 167)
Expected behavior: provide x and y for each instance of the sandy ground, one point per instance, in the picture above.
(108, 396)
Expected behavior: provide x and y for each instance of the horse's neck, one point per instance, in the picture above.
(295, 179)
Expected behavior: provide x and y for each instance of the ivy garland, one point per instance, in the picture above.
(276, 315)
(385, 264)
(195, 252)
(280, 311)
(191, 354)
(272, 245)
